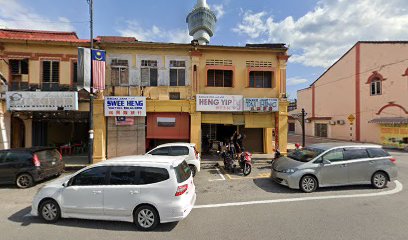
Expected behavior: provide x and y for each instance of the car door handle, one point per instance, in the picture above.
(97, 192)
(343, 165)
(134, 192)
(371, 162)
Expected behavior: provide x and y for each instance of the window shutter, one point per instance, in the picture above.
(153, 77)
(55, 72)
(173, 77)
(115, 76)
(46, 70)
(181, 77)
(145, 76)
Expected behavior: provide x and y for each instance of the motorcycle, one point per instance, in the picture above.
(228, 159)
(245, 162)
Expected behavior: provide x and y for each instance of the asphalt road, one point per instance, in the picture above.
(271, 212)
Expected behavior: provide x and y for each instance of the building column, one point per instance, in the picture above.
(5, 127)
(99, 131)
(268, 140)
(28, 131)
(195, 129)
(283, 126)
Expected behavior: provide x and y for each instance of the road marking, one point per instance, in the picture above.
(219, 173)
(398, 188)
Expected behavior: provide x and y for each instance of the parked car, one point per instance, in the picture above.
(146, 190)
(26, 166)
(188, 150)
(334, 164)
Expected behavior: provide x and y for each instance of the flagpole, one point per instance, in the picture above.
(91, 95)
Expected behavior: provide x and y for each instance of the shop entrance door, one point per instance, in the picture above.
(17, 133)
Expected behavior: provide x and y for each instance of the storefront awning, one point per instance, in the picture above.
(389, 120)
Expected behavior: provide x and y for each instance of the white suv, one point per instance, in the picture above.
(188, 150)
(132, 189)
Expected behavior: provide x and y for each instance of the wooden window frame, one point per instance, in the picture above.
(120, 68)
(178, 68)
(150, 67)
(42, 60)
(262, 69)
(224, 68)
(375, 82)
(73, 61)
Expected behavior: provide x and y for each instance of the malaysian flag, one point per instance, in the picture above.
(98, 69)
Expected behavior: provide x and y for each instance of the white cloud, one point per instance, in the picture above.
(16, 15)
(295, 81)
(322, 35)
(218, 10)
(155, 34)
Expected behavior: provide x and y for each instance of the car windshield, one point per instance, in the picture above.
(305, 154)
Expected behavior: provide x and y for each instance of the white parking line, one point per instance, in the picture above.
(398, 188)
(27, 215)
(219, 173)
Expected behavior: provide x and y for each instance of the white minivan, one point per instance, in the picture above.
(188, 150)
(146, 190)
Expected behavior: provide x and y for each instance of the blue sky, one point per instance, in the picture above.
(318, 32)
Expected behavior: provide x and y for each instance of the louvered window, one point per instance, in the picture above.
(148, 73)
(219, 78)
(50, 75)
(177, 73)
(120, 72)
(19, 74)
(260, 79)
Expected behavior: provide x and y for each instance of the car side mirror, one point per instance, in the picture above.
(325, 162)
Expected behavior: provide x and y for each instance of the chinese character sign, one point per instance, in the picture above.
(261, 104)
(125, 106)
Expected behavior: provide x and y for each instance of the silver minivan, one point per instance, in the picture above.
(334, 164)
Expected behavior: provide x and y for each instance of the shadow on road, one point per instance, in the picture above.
(26, 220)
(268, 185)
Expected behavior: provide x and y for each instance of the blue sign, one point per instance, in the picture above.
(125, 106)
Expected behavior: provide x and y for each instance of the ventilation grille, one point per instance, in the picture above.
(218, 62)
(258, 64)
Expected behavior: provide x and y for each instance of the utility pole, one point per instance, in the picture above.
(91, 96)
(303, 127)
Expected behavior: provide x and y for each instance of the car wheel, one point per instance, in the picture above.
(379, 180)
(146, 218)
(193, 170)
(50, 211)
(24, 180)
(308, 184)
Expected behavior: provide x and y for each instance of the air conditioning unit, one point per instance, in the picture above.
(341, 122)
(332, 122)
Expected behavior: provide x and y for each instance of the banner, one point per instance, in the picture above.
(219, 103)
(41, 101)
(261, 104)
(125, 106)
(84, 69)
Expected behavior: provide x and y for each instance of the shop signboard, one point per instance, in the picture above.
(261, 104)
(125, 106)
(41, 101)
(219, 103)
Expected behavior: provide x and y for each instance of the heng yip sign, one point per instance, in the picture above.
(219, 103)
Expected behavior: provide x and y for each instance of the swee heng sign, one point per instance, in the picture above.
(125, 106)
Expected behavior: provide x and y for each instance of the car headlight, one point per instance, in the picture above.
(290, 170)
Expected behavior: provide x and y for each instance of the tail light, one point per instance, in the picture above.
(393, 160)
(36, 161)
(60, 155)
(181, 190)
